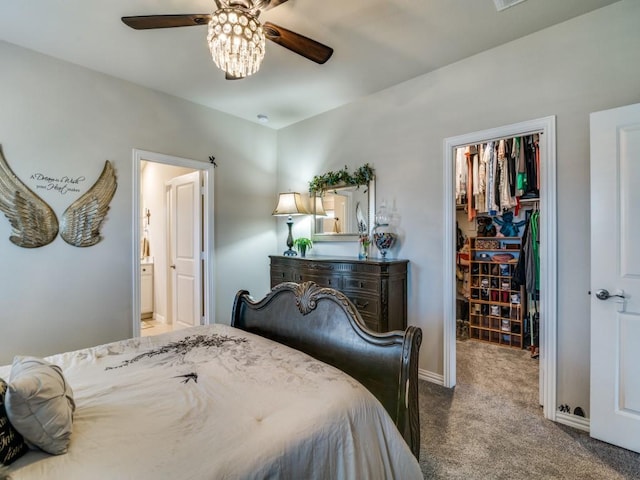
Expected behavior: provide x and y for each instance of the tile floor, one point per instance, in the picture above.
(153, 327)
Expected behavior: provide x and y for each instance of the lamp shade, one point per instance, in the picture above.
(320, 208)
(290, 204)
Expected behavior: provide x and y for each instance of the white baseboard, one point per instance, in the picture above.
(159, 318)
(430, 376)
(575, 421)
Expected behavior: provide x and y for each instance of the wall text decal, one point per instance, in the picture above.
(62, 185)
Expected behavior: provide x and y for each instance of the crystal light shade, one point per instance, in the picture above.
(236, 41)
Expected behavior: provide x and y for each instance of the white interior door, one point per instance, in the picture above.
(186, 248)
(615, 267)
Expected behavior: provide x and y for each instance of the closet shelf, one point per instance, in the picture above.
(495, 306)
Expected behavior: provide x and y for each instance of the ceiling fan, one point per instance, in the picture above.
(236, 38)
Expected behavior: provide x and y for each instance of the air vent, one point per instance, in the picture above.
(504, 4)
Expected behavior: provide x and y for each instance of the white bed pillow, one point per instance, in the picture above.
(39, 404)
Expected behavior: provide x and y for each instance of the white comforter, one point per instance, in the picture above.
(215, 402)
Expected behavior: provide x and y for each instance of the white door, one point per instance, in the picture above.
(186, 232)
(615, 267)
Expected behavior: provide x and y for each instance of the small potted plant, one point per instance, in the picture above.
(302, 244)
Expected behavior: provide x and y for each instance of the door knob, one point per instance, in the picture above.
(174, 267)
(603, 294)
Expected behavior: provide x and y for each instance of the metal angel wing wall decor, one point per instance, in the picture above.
(81, 221)
(34, 223)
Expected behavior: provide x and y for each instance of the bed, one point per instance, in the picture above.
(295, 387)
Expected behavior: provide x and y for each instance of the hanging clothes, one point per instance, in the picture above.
(492, 178)
(470, 152)
(475, 175)
(511, 167)
(490, 162)
(506, 201)
(521, 180)
(536, 143)
(481, 199)
(535, 247)
(531, 188)
(461, 175)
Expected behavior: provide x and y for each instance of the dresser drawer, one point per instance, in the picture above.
(279, 276)
(325, 280)
(366, 305)
(369, 285)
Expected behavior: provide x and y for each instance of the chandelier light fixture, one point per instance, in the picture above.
(236, 40)
(235, 36)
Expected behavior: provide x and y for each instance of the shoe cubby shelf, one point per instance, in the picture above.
(495, 303)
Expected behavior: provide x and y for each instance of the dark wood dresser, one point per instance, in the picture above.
(378, 288)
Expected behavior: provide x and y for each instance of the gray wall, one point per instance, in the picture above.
(572, 69)
(59, 119)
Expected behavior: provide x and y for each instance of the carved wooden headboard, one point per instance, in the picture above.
(323, 323)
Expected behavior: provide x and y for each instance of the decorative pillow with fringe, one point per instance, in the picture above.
(12, 445)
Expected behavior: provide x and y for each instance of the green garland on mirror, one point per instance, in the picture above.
(362, 176)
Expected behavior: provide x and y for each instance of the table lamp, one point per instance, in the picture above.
(290, 204)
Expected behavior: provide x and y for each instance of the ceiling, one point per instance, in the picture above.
(377, 44)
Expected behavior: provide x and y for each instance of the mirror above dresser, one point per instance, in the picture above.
(342, 205)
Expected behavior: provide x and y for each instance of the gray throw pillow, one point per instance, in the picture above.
(40, 404)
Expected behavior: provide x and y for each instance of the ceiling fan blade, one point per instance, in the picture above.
(297, 43)
(146, 22)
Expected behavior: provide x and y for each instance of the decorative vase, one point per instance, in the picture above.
(363, 253)
(303, 250)
(384, 235)
(383, 238)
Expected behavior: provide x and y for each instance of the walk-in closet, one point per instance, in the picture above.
(497, 271)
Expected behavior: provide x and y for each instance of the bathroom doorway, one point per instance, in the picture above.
(173, 235)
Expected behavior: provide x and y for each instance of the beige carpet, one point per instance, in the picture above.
(491, 426)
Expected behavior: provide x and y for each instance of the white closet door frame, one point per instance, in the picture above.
(548, 250)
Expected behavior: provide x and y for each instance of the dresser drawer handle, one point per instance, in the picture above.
(362, 305)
